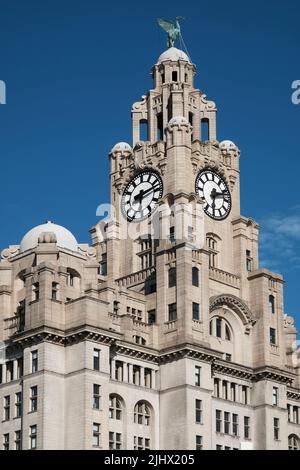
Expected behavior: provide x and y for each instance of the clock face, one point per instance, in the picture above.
(213, 190)
(141, 196)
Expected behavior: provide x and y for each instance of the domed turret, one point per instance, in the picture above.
(173, 54)
(41, 234)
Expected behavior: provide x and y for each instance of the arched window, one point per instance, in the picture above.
(219, 328)
(195, 277)
(272, 303)
(204, 129)
(293, 442)
(172, 277)
(142, 414)
(115, 407)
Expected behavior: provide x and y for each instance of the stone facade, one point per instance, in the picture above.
(163, 334)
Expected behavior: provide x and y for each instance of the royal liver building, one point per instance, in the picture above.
(163, 333)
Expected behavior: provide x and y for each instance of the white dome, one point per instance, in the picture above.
(121, 147)
(173, 54)
(227, 145)
(178, 121)
(64, 237)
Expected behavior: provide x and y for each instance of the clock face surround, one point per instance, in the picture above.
(213, 190)
(141, 196)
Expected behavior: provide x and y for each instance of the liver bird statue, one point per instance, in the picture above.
(172, 28)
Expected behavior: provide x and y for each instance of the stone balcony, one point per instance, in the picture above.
(224, 277)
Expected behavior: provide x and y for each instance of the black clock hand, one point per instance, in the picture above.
(143, 193)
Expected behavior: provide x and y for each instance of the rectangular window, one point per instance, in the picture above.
(218, 421)
(246, 427)
(34, 361)
(5, 441)
(18, 440)
(115, 440)
(96, 359)
(172, 277)
(272, 336)
(198, 411)
(197, 376)
(196, 312)
(199, 445)
(33, 437)
(226, 422)
(276, 429)
(139, 443)
(33, 399)
(235, 425)
(172, 312)
(18, 405)
(218, 447)
(275, 396)
(96, 435)
(152, 316)
(96, 397)
(6, 408)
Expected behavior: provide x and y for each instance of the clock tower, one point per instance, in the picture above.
(164, 333)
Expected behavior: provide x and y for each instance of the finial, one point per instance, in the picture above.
(172, 28)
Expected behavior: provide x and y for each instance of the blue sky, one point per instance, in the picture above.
(74, 67)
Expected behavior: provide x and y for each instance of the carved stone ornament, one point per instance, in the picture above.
(235, 304)
(10, 251)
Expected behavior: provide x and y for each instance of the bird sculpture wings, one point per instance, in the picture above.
(172, 29)
(166, 24)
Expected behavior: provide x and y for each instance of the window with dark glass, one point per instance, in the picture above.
(172, 312)
(226, 422)
(272, 303)
(33, 399)
(275, 396)
(198, 411)
(96, 396)
(34, 361)
(235, 424)
(276, 428)
(18, 405)
(152, 316)
(218, 328)
(196, 311)
(33, 437)
(246, 427)
(199, 445)
(197, 376)
(172, 277)
(6, 408)
(272, 336)
(218, 421)
(96, 359)
(195, 277)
